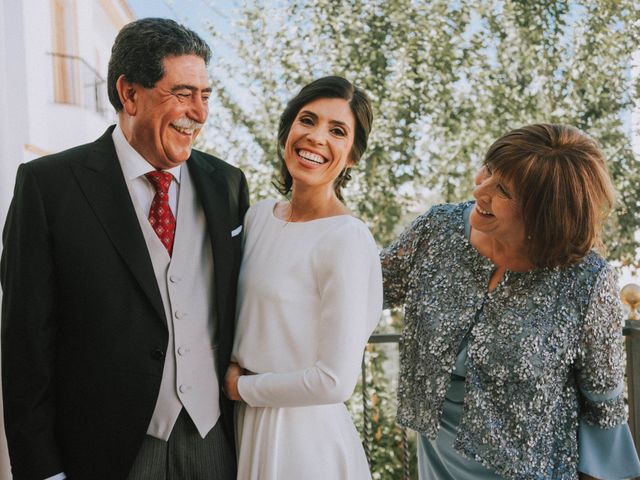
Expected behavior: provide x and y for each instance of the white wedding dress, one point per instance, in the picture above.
(309, 296)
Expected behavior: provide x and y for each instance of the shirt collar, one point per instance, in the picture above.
(133, 164)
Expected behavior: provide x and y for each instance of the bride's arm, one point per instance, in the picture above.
(349, 282)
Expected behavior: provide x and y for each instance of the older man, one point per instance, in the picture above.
(119, 276)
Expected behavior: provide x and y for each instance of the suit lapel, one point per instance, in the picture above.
(103, 184)
(213, 194)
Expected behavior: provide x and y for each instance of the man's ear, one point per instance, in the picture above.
(128, 93)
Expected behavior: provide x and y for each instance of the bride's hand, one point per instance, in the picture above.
(231, 381)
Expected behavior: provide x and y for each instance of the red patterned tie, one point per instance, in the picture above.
(160, 216)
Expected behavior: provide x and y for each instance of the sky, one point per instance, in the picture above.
(196, 14)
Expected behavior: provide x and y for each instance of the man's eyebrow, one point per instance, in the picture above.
(175, 88)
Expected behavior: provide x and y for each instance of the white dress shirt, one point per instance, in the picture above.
(134, 167)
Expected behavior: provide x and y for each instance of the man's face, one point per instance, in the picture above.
(168, 117)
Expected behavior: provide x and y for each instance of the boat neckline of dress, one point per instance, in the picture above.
(288, 222)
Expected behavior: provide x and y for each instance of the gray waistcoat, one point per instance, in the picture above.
(186, 285)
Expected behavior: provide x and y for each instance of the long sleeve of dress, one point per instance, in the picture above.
(397, 261)
(600, 361)
(606, 448)
(348, 278)
(607, 452)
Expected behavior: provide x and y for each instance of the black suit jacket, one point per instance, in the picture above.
(84, 332)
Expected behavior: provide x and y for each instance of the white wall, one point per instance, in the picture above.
(14, 116)
(13, 128)
(31, 123)
(54, 127)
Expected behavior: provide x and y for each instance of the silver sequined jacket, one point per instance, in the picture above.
(536, 341)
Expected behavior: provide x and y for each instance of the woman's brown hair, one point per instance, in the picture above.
(562, 184)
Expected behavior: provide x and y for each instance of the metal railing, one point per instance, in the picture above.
(76, 82)
(381, 338)
(367, 434)
(630, 295)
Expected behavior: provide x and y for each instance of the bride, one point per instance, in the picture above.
(309, 297)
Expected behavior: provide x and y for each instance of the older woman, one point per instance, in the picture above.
(512, 354)
(309, 296)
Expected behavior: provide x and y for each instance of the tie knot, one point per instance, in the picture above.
(160, 180)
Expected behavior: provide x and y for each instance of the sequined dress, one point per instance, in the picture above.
(501, 384)
(603, 453)
(309, 296)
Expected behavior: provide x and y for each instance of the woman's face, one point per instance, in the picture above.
(497, 212)
(319, 144)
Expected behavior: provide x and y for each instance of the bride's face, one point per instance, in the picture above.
(319, 144)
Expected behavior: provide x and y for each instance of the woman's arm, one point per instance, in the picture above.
(605, 444)
(600, 359)
(397, 261)
(349, 283)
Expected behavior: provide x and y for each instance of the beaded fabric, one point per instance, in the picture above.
(535, 342)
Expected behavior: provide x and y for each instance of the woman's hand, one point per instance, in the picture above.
(231, 381)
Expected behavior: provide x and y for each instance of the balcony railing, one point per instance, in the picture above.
(76, 82)
(630, 295)
(368, 436)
